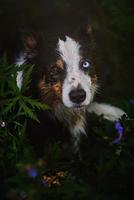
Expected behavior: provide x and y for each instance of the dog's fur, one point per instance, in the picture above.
(65, 78)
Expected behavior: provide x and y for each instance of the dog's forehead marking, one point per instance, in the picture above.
(69, 51)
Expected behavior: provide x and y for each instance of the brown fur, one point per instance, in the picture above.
(50, 95)
(60, 63)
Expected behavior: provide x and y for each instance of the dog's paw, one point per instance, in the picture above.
(109, 112)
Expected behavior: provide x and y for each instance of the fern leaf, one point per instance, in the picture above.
(35, 103)
(9, 105)
(28, 112)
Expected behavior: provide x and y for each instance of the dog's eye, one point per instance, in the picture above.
(56, 73)
(56, 70)
(86, 64)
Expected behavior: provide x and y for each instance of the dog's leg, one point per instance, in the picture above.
(109, 112)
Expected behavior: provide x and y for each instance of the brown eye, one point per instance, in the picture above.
(56, 73)
(56, 70)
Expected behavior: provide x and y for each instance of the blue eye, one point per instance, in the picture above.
(86, 64)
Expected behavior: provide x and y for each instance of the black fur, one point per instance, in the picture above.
(39, 45)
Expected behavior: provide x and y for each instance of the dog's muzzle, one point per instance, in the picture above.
(77, 95)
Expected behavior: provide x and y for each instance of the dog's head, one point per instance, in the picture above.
(67, 69)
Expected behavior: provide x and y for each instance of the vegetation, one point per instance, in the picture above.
(106, 169)
(107, 155)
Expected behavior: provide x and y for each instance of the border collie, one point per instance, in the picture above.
(65, 78)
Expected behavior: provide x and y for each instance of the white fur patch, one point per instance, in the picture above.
(109, 112)
(77, 131)
(67, 116)
(79, 127)
(70, 53)
(19, 79)
(19, 61)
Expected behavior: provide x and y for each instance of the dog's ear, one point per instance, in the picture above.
(87, 27)
(31, 42)
(87, 33)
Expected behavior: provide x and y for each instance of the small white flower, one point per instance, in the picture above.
(2, 124)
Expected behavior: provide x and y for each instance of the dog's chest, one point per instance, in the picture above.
(62, 130)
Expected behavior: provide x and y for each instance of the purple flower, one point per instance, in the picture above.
(32, 172)
(119, 127)
(116, 141)
(131, 101)
(120, 131)
(43, 183)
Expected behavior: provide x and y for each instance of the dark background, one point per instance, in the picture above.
(113, 22)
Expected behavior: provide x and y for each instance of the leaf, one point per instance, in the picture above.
(9, 105)
(28, 112)
(35, 103)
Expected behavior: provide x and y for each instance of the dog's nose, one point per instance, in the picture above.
(77, 95)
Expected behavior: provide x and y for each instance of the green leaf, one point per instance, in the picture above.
(9, 105)
(35, 103)
(28, 112)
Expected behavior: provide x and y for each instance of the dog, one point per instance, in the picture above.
(65, 79)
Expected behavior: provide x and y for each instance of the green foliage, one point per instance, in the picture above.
(12, 96)
(15, 109)
(103, 172)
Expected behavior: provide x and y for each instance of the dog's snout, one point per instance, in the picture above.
(77, 96)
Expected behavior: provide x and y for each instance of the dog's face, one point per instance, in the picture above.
(78, 86)
(69, 79)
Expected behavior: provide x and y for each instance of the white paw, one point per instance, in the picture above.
(109, 112)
